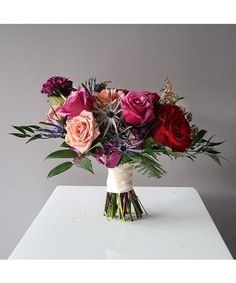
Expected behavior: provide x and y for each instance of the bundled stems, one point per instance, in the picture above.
(121, 205)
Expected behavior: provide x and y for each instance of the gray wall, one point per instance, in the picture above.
(199, 59)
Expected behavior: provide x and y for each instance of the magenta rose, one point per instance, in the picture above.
(76, 102)
(154, 97)
(137, 108)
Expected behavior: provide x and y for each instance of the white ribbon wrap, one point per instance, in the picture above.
(119, 179)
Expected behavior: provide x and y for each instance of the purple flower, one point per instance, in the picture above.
(112, 151)
(124, 146)
(56, 86)
(54, 129)
(108, 158)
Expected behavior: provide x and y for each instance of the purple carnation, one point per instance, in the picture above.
(55, 86)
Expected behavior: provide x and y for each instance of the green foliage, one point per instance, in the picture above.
(24, 131)
(85, 163)
(92, 86)
(64, 144)
(19, 135)
(60, 169)
(96, 145)
(56, 100)
(200, 145)
(64, 153)
(35, 137)
(147, 164)
(124, 159)
(205, 146)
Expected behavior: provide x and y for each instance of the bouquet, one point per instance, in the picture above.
(121, 129)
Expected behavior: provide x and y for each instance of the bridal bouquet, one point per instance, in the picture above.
(121, 129)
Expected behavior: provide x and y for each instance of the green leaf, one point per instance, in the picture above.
(27, 128)
(64, 153)
(147, 164)
(35, 137)
(96, 145)
(124, 159)
(64, 144)
(33, 126)
(149, 142)
(200, 135)
(215, 158)
(167, 150)
(56, 100)
(215, 143)
(212, 151)
(60, 169)
(20, 135)
(85, 163)
(20, 129)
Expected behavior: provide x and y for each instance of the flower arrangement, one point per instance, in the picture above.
(122, 129)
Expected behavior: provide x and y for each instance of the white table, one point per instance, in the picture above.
(71, 225)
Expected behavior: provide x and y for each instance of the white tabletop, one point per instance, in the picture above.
(71, 225)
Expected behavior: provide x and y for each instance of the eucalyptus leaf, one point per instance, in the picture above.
(60, 169)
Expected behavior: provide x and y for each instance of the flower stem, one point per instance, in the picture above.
(121, 205)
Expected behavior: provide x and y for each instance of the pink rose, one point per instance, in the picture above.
(153, 96)
(75, 103)
(137, 108)
(81, 130)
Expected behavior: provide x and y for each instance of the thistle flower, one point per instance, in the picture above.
(53, 129)
(108, 117)
(57, 86)
(125, 146)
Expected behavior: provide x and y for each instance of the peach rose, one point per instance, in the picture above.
(52, 113)
(107, 96)
(81, 130)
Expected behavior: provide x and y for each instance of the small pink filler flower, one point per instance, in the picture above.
(81, 130)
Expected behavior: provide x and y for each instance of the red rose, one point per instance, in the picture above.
(137, 108)
(172, 129)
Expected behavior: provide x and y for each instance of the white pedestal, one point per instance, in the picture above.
(71, 225)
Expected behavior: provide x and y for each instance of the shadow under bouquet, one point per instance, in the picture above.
(122, 129)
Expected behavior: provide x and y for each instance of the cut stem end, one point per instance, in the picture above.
(122, 205)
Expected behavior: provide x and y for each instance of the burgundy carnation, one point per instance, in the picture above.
(55, 86)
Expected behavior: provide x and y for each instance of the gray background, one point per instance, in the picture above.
(199, 59)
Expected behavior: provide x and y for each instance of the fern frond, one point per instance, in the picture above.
(147, 165)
